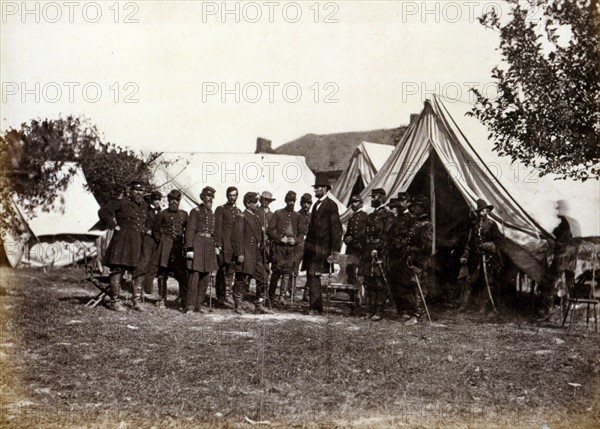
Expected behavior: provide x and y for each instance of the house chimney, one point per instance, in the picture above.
(263, 145)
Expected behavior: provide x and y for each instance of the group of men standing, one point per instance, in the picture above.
(391, 247)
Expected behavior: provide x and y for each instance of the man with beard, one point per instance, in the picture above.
(355, 236)
(371, 262)
(397, 243)
(225, 215)
(283, 233)
(303, 221)
(418, 255)
(168, 230)
(127, 218)
(482, 248)
(247, 240)
(201, 251)
(323, 239)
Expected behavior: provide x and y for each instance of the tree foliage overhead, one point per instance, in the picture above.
(33, 159)
(547, 113)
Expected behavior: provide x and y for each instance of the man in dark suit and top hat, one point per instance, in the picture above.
(283, 233)
(201, 251)
(225, 215)
(168, 230)
(324, 238)
(127, 218)
(372, 259)
(483, 243)
(248, 239)
(355, 236)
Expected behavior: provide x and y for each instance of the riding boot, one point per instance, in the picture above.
(284, 288)
(273, 285)
(138, 284)
(162, 292)
(237, 301)
(115, 290)
(465, 298)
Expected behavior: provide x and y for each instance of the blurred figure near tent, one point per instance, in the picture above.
(303, 222)
(371, 265)
(482, 248)
(168, 230)
(355, 237)
(201, 251)
(152, 200)
(127, 217)
(225, 216)
(567, 228)
(283, 233)
(324, 238)
(397, 242)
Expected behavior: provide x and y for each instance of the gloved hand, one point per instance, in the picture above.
(348, 239)
(374, 253)
(291, 241)
(189, 255)
(240, 259)
(284, 240)
(217, 251)
(463, 260)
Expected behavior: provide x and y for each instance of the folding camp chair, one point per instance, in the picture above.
(581, 291)
(340, 285)
(101, 282)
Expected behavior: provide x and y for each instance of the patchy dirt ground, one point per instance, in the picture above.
(66, 365)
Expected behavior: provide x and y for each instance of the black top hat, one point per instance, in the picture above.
(321, 179)
(481, 204)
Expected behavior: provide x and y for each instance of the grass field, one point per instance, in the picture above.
(65, 365)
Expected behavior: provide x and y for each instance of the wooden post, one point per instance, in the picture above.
(432, 199)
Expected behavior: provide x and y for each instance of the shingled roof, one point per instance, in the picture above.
(332, 152)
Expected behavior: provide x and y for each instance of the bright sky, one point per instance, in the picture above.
(169, 81)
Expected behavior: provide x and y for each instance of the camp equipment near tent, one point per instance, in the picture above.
(190, 172)
(366, 161)
(447, 156)
(60, 236)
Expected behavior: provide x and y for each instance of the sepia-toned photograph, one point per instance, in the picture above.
(300, 214)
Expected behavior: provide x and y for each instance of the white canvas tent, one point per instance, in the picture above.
(367, 160)
(448, 157)
(190, 172)
(60, 236)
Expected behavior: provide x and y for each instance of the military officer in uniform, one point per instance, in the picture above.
(153, 203)
(372, 257)
(201, 251)
(355, 236)
(168, 230)
(482, 248)
(248, 240)
(225, 215)
(303, 221)
(127, 218)
(397, 243)
(418, 254)
(324, 238)
(283, 233)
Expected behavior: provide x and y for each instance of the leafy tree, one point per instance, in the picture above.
(32, 160)
(547, 113)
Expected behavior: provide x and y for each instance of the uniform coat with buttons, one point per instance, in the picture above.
(284, 223)
(247, 240)
(168, 230)
(357, 229)
(200, 238)
(323, 238)
(378, 224)
(303, 221)
(126, 246)
(225, 215)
